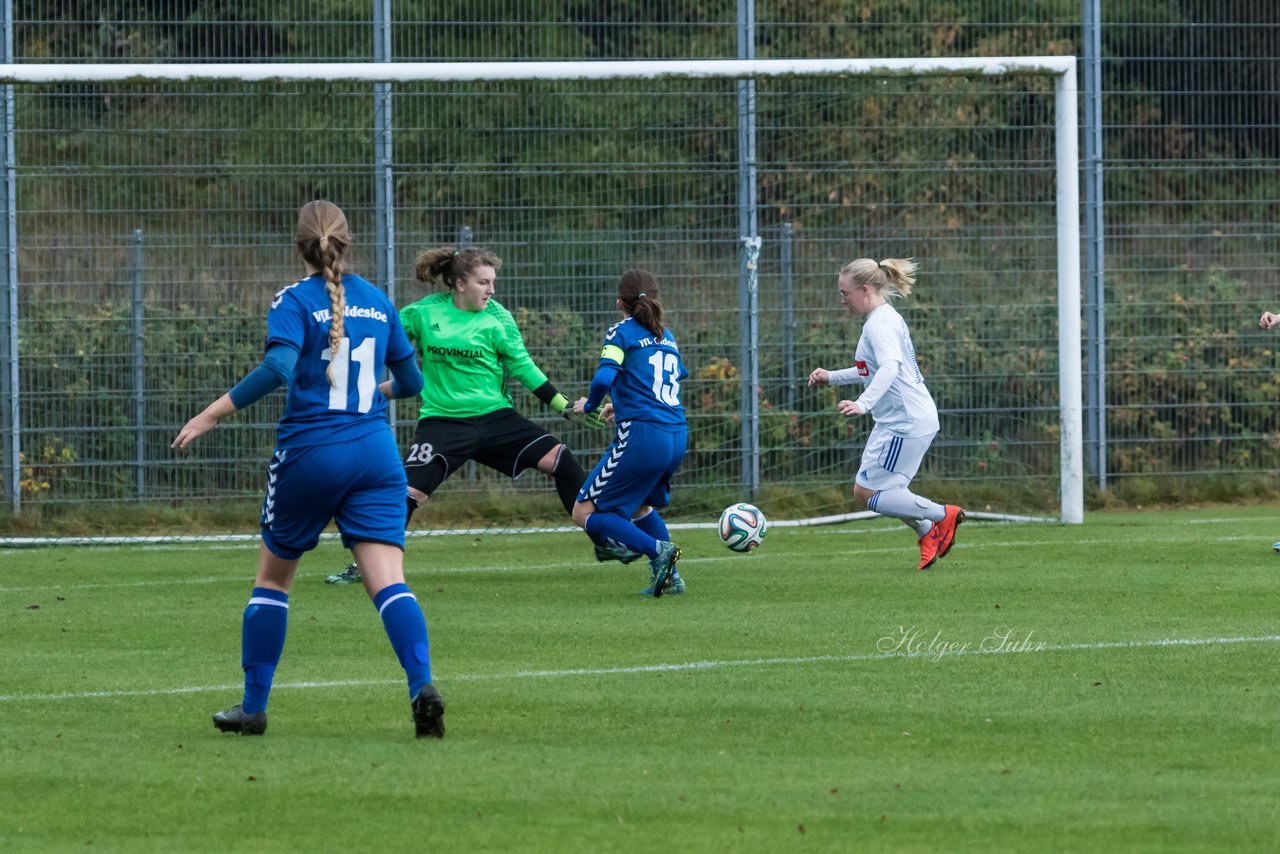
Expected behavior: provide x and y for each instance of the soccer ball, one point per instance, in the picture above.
(742, 527)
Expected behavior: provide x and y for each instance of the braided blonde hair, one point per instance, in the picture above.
(322, 239)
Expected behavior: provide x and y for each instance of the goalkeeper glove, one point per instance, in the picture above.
(560, 404)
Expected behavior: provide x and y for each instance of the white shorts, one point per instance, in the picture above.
(891, 460)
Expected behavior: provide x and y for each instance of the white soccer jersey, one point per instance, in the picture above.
(905, 406)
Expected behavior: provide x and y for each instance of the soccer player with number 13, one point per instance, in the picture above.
(641, 370)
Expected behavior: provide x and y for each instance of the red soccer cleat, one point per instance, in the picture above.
(940, 538)
(947, 537)
(929, 547)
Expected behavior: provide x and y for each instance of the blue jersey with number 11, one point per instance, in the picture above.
(320, 412)
(647, 386)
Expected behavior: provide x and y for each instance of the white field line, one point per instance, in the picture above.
(1219, 520)
(1014, 649)
(237, 541)
(420, 571)
(252, 543)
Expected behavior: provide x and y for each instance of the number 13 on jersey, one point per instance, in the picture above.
(666, 377)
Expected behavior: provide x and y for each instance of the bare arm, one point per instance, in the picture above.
(204, 422)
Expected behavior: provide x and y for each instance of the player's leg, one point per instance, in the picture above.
(513, 444)
(568, 475)
(639, 458)
(615, 489)
(439, 448)
(294, 512)
(606, 547)
(565, 471)
(889, 463)
(262, 634)
(648, 519)
(405, 623)
(369, 519)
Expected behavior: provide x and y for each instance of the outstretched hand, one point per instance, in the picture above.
(820, 376)
(1269, 320)
(850, 407)
(204, 422)
(594, 419)
(193, 429)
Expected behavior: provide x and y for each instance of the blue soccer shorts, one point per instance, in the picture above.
(637, 469)
(360, 484)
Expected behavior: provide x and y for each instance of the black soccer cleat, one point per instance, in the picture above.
(350, 575)
(622, 554)
(428, 713)
(235, 719)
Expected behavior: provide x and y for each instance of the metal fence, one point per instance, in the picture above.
(153, 222)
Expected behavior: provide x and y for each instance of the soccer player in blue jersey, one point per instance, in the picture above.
(641, 371)
(328, 338)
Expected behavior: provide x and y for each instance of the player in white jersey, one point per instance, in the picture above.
(897, 399)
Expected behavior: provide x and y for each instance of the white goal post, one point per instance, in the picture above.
(1061, 68)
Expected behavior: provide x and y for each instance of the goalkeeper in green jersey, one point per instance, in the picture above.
(470, 345)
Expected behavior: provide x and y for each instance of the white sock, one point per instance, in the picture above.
(920, 526)
(902, 504)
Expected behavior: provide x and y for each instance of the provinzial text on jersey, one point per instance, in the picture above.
(433, 350)
(323, 315)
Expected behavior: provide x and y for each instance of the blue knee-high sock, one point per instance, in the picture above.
(261, 641)
(603, 523)
(653, 525)
(407, 628)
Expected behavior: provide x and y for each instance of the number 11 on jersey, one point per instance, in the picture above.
(366, 382)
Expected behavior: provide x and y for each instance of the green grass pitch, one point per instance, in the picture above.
(1105, 687)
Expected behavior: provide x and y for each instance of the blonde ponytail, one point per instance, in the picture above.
(892, 277)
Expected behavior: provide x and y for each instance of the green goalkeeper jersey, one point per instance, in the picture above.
(467, 356)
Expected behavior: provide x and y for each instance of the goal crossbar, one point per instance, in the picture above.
(394, 72)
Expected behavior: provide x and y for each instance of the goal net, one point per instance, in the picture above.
(153, 209)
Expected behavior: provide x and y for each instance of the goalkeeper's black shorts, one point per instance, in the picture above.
(504, 440)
